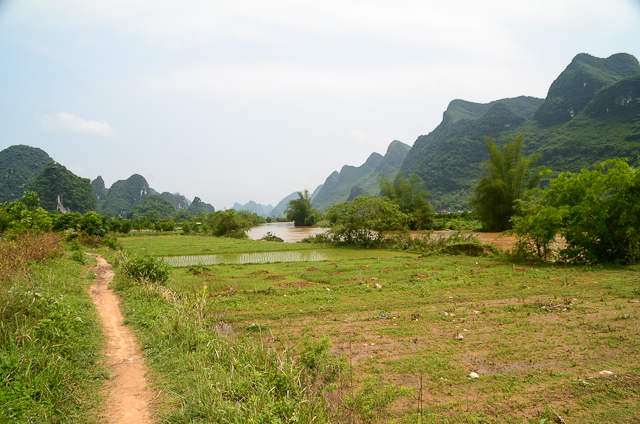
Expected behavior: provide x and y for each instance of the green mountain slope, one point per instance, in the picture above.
(161, 207)
(124, 195)
(178, 201)
(579, 83)
(19, 167)
(338, 186)
(198, 206)
(61, 190)
(573, 128)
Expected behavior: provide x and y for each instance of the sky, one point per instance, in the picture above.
(233, 101)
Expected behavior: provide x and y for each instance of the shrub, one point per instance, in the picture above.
(147, 268)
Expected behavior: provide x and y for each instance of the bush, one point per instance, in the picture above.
(147, 268)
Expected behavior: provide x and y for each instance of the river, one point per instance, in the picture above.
(285, 230)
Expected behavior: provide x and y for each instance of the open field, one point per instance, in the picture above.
(178, 245)
(540, 336)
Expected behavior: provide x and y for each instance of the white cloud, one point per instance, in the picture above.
(68, 122)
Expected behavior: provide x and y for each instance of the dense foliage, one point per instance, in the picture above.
(61, 190)
(24, 215)
(229, 223)
(19, 167)
(366, 220)
(147, 269)
(410, 195)
(508, 175)
(597, 212)
(301, 212)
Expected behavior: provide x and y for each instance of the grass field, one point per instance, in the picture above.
(411, 330)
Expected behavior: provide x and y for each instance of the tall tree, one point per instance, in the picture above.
(300, 210)
(410, 195)
(508, 174)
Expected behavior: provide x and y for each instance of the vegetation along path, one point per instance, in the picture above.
(129, 398)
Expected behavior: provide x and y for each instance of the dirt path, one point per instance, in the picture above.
(129, 398)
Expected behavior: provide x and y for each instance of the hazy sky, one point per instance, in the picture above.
(252, 100)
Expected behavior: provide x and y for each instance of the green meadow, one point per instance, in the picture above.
(393, 337)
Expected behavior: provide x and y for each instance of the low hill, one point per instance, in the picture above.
(338, 185)
(61, 190)
(19, 167)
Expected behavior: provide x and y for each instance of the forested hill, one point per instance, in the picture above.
(61, 190)
(124, 195)
(591, 113)
(19, 167)
(338, 185)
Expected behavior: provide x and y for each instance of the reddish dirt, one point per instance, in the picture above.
(129, 398)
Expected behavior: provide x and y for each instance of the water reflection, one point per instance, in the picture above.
(247, 258)
(285, 230)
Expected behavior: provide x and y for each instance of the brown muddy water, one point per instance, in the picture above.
(285, 230)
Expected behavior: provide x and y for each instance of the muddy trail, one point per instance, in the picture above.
(129, 398)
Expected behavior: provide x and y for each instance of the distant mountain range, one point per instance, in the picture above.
(339, 185)
(591, 113)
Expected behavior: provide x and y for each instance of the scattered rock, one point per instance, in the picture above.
(605, 372)
(473, 375)
(446, 314)
(459, 336)
(378, 286)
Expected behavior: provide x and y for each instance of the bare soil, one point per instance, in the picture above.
(129, 398)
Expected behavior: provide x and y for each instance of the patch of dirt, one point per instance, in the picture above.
(260, 271)
(313, 269)
(355, 280)
(335, 273)
(385, 271)
(275, 277)
(129, 397)
(301, 284)
(420, 276)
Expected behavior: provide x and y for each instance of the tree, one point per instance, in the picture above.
(366, 220)
(411, 197)
(228, 224)
(24, 215)
(300, 210)
(597, 212)
(508, 175)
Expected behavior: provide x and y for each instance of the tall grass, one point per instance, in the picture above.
(50, 337)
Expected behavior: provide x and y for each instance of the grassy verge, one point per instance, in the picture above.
(50, 337)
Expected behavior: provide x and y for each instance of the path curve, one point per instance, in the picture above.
(129, 398)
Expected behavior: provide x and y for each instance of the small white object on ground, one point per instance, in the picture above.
(473, 375)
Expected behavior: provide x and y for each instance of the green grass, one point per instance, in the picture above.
(177, 245)
(50, 345)
(534, 332)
